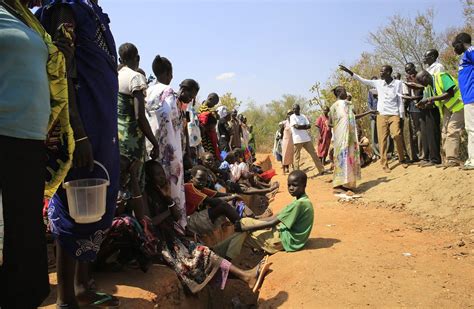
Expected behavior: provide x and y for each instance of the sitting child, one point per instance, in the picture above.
(287, 231)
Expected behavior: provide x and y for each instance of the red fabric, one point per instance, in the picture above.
(203, 119)
(268, 175)
(215, 144)
(195, 197)
(324, 137)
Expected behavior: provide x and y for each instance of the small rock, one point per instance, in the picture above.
(461, 243)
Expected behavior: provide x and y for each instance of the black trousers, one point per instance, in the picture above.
(430, 124)
(24, 281)
(415, 136)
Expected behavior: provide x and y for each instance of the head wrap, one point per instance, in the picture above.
(222, 111)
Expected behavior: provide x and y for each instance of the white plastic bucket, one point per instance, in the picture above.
(87, 197)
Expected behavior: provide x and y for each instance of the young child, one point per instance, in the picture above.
(287, 231)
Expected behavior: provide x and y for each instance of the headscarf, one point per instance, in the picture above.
(60, 137)
(222, 111)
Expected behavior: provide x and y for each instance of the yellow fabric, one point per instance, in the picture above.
(455, 104)
(59, 128)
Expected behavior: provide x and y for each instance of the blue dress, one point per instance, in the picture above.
(96, 92)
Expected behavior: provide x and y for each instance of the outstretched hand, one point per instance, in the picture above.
(345, 69)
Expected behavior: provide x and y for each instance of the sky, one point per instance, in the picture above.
(259, 49)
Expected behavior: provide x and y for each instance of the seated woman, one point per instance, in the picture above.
(217, 177)
(195, 264)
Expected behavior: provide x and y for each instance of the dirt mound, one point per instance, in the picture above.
(442, 197)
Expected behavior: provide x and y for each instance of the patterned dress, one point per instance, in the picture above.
(131, 137)
(346, 147)
(167, 124)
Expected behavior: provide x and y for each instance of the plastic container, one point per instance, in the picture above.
(87, 197)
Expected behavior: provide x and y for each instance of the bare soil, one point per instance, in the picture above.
(408, 242)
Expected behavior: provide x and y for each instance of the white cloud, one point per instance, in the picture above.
(226, 76)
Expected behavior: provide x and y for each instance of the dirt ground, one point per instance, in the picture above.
(407, 242)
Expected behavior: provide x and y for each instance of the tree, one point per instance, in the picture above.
(229, 101)
(405, 39)
(265, 119)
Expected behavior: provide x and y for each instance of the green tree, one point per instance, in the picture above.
(405, 39)
(229, 101)
(265, 119)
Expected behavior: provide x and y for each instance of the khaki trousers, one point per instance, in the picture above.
(389, 125)
(265, 239)
(453, 123)
(308, 146)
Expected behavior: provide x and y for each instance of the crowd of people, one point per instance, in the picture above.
(177, 170)
(436, 105)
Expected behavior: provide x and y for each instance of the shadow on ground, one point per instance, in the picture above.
(365, 186)
(274, 302)
(321, 243)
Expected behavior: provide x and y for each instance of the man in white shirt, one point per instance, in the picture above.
(430, 59)
(301, 139)
(390, 110)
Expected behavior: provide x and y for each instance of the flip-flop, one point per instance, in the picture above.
(104, 298)
(262, 270)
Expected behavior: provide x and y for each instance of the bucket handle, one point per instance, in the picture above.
(103, 167)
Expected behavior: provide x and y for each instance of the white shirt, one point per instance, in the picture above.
(237, 170)
(435, 67)
(389, 101)
(130, 81)
(299, 136)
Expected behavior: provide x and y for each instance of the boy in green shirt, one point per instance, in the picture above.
(287, 231)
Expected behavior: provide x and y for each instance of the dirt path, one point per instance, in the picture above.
(361, 256)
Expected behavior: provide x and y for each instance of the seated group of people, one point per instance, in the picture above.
(147, 230)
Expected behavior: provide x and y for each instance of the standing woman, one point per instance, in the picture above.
(166, 121)
(95, 88)
(287, 144)
(29, 60)
(346, 147)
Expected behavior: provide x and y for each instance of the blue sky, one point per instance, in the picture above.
(259, 50)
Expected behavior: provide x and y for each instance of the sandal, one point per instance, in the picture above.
(101, 302)
(262, 270)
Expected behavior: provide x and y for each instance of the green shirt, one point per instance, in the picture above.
(296, 223)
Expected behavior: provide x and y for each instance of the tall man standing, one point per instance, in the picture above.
(462, 46)
(391, 110)
(430, 59)
(301, 138)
